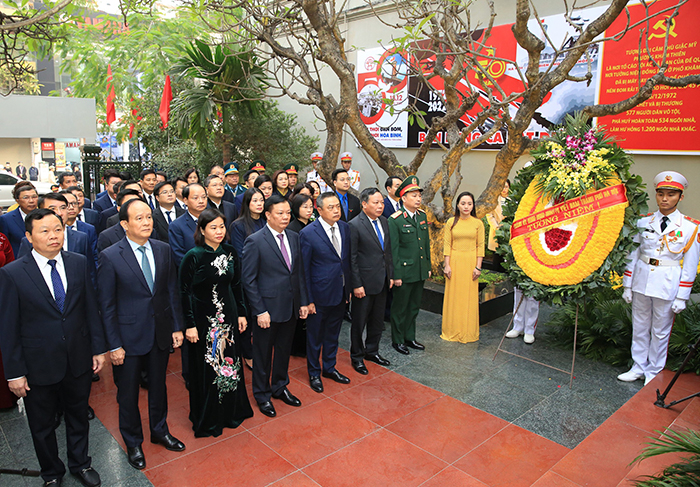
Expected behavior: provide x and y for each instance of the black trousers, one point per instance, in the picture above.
(369, 312)
(127, 377)
(42, 403)
(322, 331)
(271, 371)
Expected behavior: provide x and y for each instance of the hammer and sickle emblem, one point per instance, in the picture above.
(660, 29)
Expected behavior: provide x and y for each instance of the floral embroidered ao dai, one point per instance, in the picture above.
(212, 300)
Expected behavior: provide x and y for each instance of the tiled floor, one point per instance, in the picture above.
(449, 416)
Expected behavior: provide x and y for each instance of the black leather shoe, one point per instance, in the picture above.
(169, 442)
(267, 409)
(136, 458)
(401, 348)
(90, 413)
(88, 477)
(360, 368)
(377, 359)
(336, 376)
(52, 483)
(415, 345)
(348, 316)
(316, 384)
(95, 377)
(288, 398)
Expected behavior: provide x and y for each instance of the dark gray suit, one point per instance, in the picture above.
(271, 287)
(371, 268)
(160, 224)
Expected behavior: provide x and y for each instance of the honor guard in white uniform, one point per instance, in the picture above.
(659, 277)
(346, 162)
(313, 175)
(525, 316)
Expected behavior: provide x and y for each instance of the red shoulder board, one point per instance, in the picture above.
(692, 220)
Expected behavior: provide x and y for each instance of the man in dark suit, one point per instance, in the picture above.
(167, 210)
(140, 302)
(273, 279)
(73, 223)
(181, 231)
(12, 223)
(372, 272)
(110, 216)
(52, 341)
(109, 199)
(148, 181)
(21, 171)
(73, 240)
(85, 213)
(349, 204)
(392, 203)
(215, 193)
(249, 182)
(66, 180)
(325, 249)
(115, 233)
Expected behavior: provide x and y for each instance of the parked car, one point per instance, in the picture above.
(7, 183)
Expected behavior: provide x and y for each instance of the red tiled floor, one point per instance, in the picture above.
(380, 459)
(313, 432)
(512, 457)
(447, 428)
(551, 479)
(453, 477)
(652, 466)
(387, 398)
(302, 391)
(641, 412)
(611, 464)
(297, 479)
(240, 460)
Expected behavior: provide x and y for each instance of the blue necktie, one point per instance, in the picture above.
(345, 206)
(146, 267)
(170, 219)
(59, 293)
(150, 202)
(379, 234)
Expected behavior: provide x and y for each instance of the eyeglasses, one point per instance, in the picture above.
(72, 205)
(27, 198)
(166, 192)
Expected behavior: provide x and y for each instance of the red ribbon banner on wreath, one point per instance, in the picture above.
(570, 209)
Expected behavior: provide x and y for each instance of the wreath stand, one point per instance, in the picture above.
(660, 398)
(570, 373)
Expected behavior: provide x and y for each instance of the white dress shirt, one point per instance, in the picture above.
(395, 204)
(327, 228)
(286, 242)
(173, 213)
(45, 269)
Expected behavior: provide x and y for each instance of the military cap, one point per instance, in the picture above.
(670, 180)
(317, 156)
(346, 156)
(258, 165)
(291, 168)
(231, 168)
(411, 183)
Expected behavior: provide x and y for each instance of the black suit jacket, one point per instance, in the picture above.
(38, 340)
(228, 209)
(371, 267)
(92, 217)
(109, 237)
(269, 284)
(160, 223)
(354, 208)
(105, 215)
(102, 203)
(135, 319)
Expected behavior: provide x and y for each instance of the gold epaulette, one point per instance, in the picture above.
(691, 219)
(396, 214)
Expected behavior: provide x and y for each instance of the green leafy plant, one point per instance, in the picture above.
(683, 473)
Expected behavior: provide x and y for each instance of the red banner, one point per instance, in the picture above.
(570, 209)
(668, 121)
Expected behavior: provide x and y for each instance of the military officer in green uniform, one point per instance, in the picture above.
(292, 170)
(410, 246)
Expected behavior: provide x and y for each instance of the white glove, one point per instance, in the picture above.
(678, 305)
(627, 295)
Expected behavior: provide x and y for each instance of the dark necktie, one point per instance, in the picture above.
(170, 218)
(379, 234)
(664, 223)
(150, 202)
(283, 249)
(345, 206)
(80, 217)
(59, 294)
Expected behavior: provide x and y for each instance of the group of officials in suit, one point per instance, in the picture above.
(67, 311)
